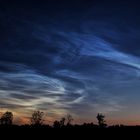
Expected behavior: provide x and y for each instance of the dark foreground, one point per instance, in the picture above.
(47, 132)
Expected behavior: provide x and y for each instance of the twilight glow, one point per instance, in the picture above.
(78, 57)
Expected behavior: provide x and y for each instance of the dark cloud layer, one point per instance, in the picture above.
(72, 56)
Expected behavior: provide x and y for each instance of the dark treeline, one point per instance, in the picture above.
(37, 121)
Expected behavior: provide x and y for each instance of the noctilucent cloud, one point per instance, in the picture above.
(71, 57)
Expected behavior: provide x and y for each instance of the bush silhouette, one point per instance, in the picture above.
(56, 124)
(59, 124)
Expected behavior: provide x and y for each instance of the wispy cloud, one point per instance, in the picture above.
(67, 61)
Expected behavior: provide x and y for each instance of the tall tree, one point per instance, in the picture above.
(69, 119)
(37, 118)
(101, 120)
(6, 118)
(62, 121)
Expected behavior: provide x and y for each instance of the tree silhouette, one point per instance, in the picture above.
(69, 119)
(6, 118)
(37, 118)
(62, 122)
(101, 120)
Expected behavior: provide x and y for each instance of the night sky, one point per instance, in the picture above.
(77, 57)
